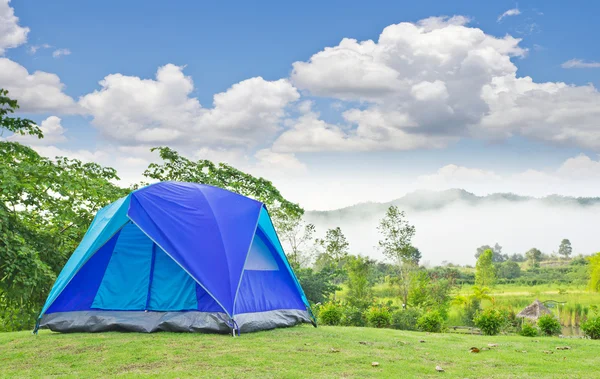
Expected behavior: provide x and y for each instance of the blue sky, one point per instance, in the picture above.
(359, 135)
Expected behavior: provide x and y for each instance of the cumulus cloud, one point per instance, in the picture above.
(453, 176)
(578, 63)
(54, 133)
(36, 92)
(508, 13)
(433, 82)
(60, 52)
(133, 110)
(11, 33)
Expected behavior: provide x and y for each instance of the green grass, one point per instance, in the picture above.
(298, 352)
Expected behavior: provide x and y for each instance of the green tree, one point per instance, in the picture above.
(509, 270)
(485, 272)
(534, 256)
(497, 257)
(15, 125)
(594, 270)
(397, 234)
(334, 253)
(565, 249)
(178, 168)
(360, 292)
(297, 235)
(317, 285)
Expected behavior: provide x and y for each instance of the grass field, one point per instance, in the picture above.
(300, 352)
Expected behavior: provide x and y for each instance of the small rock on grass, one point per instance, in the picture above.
(492, 344)
(563, 348)
(439, 369)
(334, 350)
(374, 364)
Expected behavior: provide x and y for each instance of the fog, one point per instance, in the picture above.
(450, 225)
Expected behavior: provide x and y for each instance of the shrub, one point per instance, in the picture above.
(591, 327)
(330, 314)
(472, 307)
(490, 321)
(549, 325)
(431, 321)
(353, 316)
(528, 330)
(406, 319)
(379, 316)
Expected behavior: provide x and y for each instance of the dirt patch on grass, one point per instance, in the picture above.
(136, 367)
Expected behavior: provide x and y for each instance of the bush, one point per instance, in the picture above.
(528, 330)
(353, 316)
(549, 325)
(591, 328)
(330, 314)
(406, 319)
(431, 321)
(471, 308)
(379, 316)
(490, 321)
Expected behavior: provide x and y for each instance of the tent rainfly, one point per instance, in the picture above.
(179, 257)
(534, 310)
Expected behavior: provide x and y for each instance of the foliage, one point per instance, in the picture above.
(406, 319)
(528, 330)
(490, 321)
(395, 245)
(534, 256)
(330, 313)
(297, 235)
(360, 293)
(353, 316)
(565, 249)
(594, 270)
(317, 285)
(591, 327)
(497, 256)
(431, 322)
(485, 272)
(15, 125)
(509, 270)
(178, 168)
(470, 309)
(379, 316)
(549, 325)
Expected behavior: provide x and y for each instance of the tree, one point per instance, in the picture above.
(360, 293)
(317, 285)
(15, 125)
(485, 272)
(334, 253)
(534, 256)
(297, 235)
(565, 249)
(509, 270)
(594, 270)
(178, 168)
(498, 257)
(396, 245)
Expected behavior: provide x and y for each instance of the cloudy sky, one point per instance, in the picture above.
(336, 103)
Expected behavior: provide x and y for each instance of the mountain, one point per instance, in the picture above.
(451, 224)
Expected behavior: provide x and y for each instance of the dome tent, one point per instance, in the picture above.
(177, 257)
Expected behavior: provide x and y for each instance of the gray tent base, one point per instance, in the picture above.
(148, 322)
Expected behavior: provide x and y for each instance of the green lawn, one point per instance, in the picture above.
(300, 352)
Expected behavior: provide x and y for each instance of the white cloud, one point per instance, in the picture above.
(60, 52)
(51, 128)
(277, 163)
(456, 176)
(33, 49)
(433, 82)
(508, 13)
(578, 63)
(133, 110)
(36, 92)
(11, 34)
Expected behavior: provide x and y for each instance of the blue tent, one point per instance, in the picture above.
(177, 257)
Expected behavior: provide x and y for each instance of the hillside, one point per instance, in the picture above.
(325, 352)
(452, 224)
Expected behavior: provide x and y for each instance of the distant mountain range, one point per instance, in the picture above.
(424, 200)
(451, 224)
